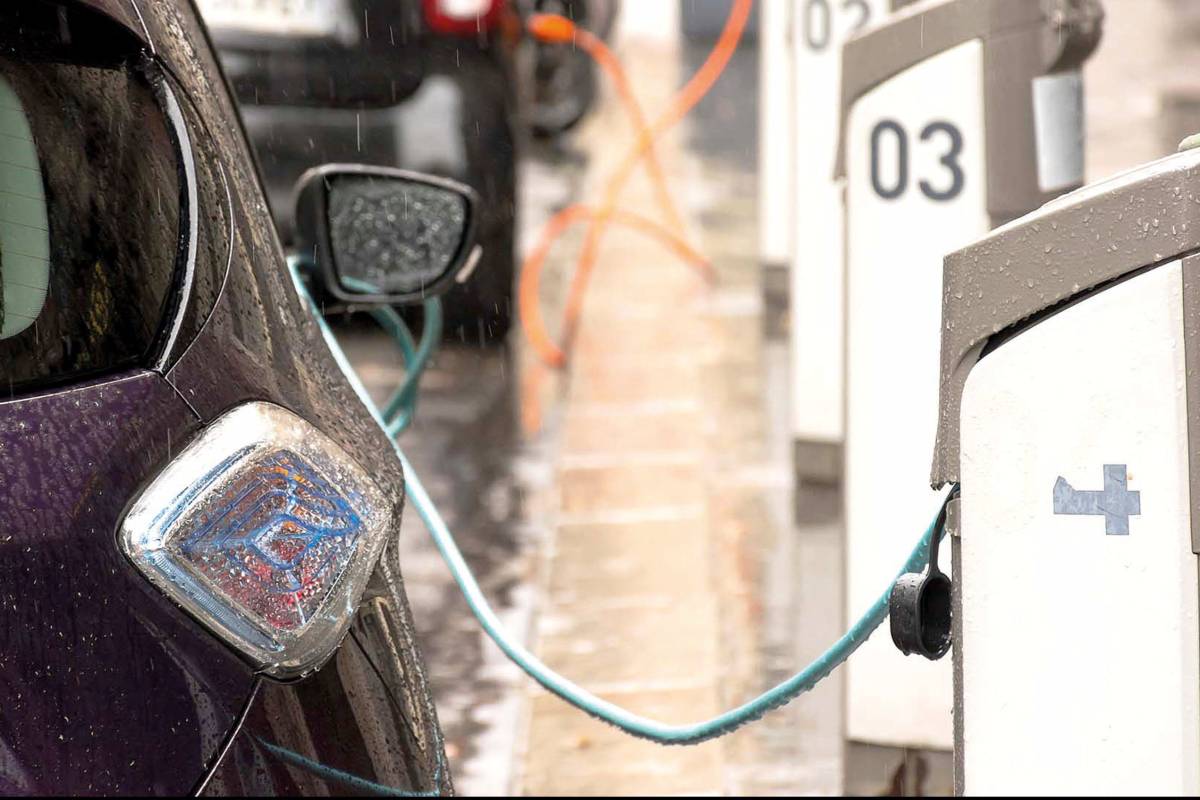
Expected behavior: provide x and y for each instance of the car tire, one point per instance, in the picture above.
(567, 91)
(564, 79)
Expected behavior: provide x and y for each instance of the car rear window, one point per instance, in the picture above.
(90, 197)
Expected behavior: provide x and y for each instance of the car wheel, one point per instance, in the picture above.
(564, 90)
(564, 78)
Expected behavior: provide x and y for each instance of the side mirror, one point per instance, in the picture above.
(385, 236)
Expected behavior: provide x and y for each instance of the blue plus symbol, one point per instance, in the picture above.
(1115, 502)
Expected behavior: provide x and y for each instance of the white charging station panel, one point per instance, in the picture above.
(1080, 644)
(916, 190)
(776, 194)
(819, 28)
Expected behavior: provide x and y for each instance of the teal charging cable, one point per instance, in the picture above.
(401, 407)
(564, 688)
(600, 708)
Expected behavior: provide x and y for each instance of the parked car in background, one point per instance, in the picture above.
(425, 85)
(199, 586)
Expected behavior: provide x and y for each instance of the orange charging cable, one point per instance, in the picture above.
(556, 29)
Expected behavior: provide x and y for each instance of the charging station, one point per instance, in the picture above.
(957, 116)
(776, 187)
(1070, 416)
(819, 28)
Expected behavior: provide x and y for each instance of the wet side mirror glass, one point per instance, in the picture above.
(385, 236)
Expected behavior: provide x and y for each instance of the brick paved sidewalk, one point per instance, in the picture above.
(652, 595)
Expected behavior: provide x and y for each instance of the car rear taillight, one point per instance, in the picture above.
(463, 17)
(266, 531)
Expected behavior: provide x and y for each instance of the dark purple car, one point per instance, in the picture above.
(199, 587)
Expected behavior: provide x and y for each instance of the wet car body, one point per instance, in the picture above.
(109, 687)
(384, 82)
